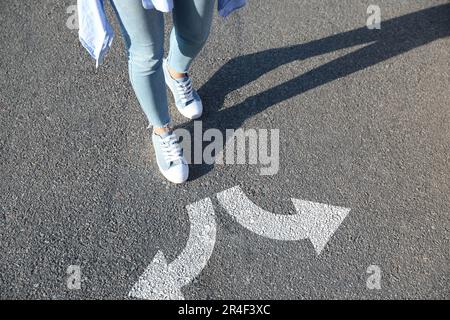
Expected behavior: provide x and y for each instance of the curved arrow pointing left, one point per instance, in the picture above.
(164, 281)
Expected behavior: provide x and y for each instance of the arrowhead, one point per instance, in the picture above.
(319, 220)
(157, 282)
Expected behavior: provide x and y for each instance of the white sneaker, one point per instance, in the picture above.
(169, 157)
(187, 100)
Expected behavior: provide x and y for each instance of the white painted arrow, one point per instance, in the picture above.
(165, 281)
(314, 221)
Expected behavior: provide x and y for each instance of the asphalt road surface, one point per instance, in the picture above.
(364, 123)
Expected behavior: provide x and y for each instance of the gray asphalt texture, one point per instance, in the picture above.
(364, 123)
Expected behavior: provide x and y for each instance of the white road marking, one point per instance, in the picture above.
(165, 281)
(314, 221)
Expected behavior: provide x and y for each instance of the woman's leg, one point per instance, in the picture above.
(192, 23)
(143, 31)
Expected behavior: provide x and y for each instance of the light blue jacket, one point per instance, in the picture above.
(96, 34)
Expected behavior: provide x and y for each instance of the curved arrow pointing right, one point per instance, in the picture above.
(314, 221)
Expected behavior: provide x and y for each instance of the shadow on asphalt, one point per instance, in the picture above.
(396, 36)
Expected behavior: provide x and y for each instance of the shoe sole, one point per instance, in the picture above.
(171, 179)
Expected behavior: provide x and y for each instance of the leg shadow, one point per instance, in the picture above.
(396, 36)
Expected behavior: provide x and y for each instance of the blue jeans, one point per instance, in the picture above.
(143, 31)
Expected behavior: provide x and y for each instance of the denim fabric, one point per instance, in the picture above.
(143, 33)
(96, 34)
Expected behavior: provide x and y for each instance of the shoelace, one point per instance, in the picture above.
(184, 89)
(171, 148)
